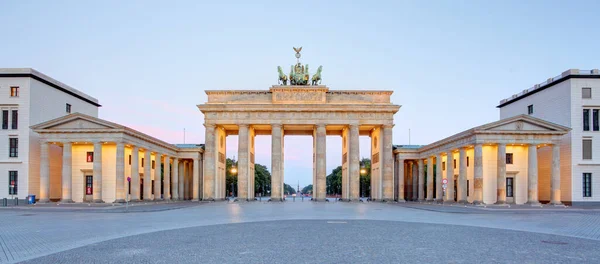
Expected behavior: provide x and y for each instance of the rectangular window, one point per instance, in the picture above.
(468, 188)
(587, 149)
(152, 164)
(4, 119)
(152, 187)
(142, 162)
(13, 182)
(14, 91)
(586, 119)
(129, 186)
(467, 161)
(13, 147)
(68, 108)
(509, 158)
(586, 92)
(595, 120)
(89, 185)
(89, 156)
(454, 164)
(509, 187)
(530, 109)
(129, 159)
(15, 119)
(587, 185)
(443, 165)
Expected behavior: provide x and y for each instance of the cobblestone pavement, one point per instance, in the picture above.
(27, 234)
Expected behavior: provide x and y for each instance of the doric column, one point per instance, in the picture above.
(439, 192)
(175, 183)
(196, 181)
(157, 176)
(120, 173)
(276, 162)
(400, 180)
(354, 166)
(147, 176)
(135, 173)
(388, 163)
(478, 174)
(209, 166)
(430, 179)
(98, 172)
(501, 174)
(421, 184)
(67, 174)
(461, 196)
(321, 162)
(167, 175)
(415, 180)
(450, 177)
(182, 181)
(44, 173)
(555, 199)
(532, 175)
(243, 168)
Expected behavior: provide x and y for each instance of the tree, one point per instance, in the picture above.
(307, 189)
(334, 181)
(287, 189)
(365, 180)
(230, 177)
(262, 180)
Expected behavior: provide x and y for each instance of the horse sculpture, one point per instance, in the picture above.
(282, 77)
(317, 77)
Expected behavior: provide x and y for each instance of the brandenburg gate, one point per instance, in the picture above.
(300, 108)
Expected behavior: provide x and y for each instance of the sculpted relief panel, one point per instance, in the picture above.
(299, 117)
(281, 96)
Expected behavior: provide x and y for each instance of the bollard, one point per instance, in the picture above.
(294, 199)
(16, 201)
(4, 202)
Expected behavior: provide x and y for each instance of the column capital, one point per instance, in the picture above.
(388, 126)
(319, 125)
(243, 125)
(501, 144)
(209, 125)
(276, 125)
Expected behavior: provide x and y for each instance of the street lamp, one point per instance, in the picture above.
(234, 172)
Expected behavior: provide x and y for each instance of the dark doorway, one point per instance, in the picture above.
(141, 188)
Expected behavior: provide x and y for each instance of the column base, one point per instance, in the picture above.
(148, 200)
(449, 202)
(557, 203)
(462, 202)
(45, 200)
(500, 203)
(438, 200)
(66, 201)
(98, 201)
(134, 200)
(478, 203)
(429, 200)
(119, 201)
(534, 204)
(401, 201)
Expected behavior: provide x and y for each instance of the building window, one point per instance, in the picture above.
(13, 147)
(4, 119)
(587, 149)
(443, 165)
(15, 119)
(509, 158)
(530, 109)
(14, 91)
(13, 182)
(152, 164)
(129, 186)
(129, 159)
(587, 185)
(89, 185)
(142, 162)
(68, 108)
(509, 187)
(454, 164)
(152, 187)
(586, 92)
(595, 125)
(586, 119)
(467, 161)
(89, 156)
(468, 188)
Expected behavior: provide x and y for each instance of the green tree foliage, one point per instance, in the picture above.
(365, 179)
(288, 190)
(334, 181)
(230, 177)
(307, 189)
(262, 178)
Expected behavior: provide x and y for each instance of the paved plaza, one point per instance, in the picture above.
(298, 232)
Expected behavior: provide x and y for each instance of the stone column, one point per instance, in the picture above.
(276, 161)
(450, 177)
(388, 164)
(135, 173)
(400, 180)
(421, 184)
(555, 199)
(321, 162)
(157, 176)
(120, 171)
(243, 168)
(415, 180)
(67, 173)
(439, 192)
(167, 188)
(461, 196)
(175, 183)
(147, 176)
(209, 168)
(501, 174)
(182, 181)
(354, 166)
(430, 179)
(196, 181)
(44, 173)
(98, 172)
(478, 174)
(532, 175)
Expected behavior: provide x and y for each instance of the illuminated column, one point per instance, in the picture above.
(209, 174)
(478, 174)
(555, 199)
(439, 192)
(276, 162)
(175, 184)
(44, 173)
(501, 174)
(67, 185)
(388, 164)
(421, 184)
(120, 171)
(354, 166)
(135, 174)
(321, 163)
(415, 180)
(98, 172)
(430, 179)
(196, 181)
(462, 176)
(243, 168)
(157, 176)
(147, 176)
(182, 179)
(400, 168)
(450, 177)
(167, 175)
(532, 175)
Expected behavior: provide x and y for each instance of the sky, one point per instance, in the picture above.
(449, 63)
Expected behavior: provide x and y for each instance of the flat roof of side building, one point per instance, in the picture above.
(32, 73)
(566, 75)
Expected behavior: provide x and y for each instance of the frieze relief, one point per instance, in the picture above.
(296, 116)
(299, 97)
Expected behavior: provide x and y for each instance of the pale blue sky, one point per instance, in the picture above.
(448, 62)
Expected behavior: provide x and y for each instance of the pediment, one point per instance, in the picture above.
(523, 123)
(77, 122)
